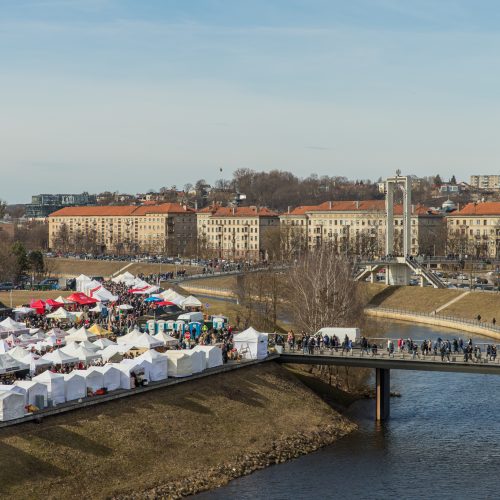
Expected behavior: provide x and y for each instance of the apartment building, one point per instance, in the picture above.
(236, 232)
(488, 182)
(169, 228)
(358, 227)
(475, 230)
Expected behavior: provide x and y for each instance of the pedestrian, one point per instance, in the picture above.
(479, 317)
(494, 321)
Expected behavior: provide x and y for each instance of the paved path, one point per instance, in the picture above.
(452, 301)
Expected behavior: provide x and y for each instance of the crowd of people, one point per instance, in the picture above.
(444, 348)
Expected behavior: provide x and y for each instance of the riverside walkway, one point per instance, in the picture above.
(382, 362)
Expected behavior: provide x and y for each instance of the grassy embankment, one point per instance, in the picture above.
(74, 267)
(202, 430)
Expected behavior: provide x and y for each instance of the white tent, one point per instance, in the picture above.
(59, 357)
(112, 376)
(22, 311)
(10, 364)
(166, 339)
(95, 290)
(129, 338)
(172, 296)
(147, 341)
(31, 390)
(190, 302)
(126, 379)
(18, 353)
(125, 307)
(62, 315)
(126, 277)
(4, 346)
(8, 325)
(180, 364)
(103, 343)
(198, 360)
(81, 283)
(39, 336)
(251, 344)
(11, 405)
(71, 330)
(58, 332)
(89, 345)
(213, 355)
(142, 364)
(159, 364)
(62, 300)
(54, 383)
(11, 325)
(94, 380)
(80, 352)
(80, 335)
(34, 361)
(114, 352)
(128, 366)
(75, 386)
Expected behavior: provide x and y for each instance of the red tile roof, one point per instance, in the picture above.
(244, 212)
(483, 208)
(355, 206)
(120, 210)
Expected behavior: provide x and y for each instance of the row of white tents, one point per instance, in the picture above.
(59, 388)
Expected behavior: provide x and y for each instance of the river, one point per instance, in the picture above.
(442, 441)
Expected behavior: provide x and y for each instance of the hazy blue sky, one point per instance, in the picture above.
(135, 94)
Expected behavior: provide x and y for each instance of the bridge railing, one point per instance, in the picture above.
(453, 319)
(382, 353)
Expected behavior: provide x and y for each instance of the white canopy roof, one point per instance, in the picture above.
(251, 344)
(147, 341)
(62, 300)
(34, 361)
(166, 339)
(10, 325)
(23, 310)
(58, 357)
(18, 353)
(10, 364)
(190, 301)
(129, 337)
(172, 296)
(62, 314)
(95, 290)
(103, 343)
(80, 335)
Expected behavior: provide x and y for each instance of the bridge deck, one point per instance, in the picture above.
(398, 362)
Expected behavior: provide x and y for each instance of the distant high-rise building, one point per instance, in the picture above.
(491, 182)
(42, 205)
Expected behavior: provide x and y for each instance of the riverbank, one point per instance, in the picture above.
(170, 442)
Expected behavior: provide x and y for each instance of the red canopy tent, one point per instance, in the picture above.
(164, 303)
(38, 306)
(82, 299)
(52, 303)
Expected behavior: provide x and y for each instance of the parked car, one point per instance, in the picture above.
(7, 286)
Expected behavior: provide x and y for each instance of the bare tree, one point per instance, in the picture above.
(322, 291)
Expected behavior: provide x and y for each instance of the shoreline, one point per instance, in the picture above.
(279, 451)
(409, 317)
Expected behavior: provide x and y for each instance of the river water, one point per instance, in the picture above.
(442, 441)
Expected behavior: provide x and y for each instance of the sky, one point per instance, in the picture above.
(129, 95)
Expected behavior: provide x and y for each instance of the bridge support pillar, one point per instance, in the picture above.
(383, 393)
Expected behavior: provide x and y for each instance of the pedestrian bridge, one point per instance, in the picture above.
(383, 363)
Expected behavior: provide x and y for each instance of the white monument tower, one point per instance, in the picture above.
(398, 272)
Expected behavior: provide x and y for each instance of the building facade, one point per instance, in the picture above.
(358, 227)
(475, 230)
(488, 182)
(168, 229)
(238, 233)
(42, 205)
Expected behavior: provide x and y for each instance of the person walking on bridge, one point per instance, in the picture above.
(364, 346)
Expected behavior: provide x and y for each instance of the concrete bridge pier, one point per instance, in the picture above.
(383, 394)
